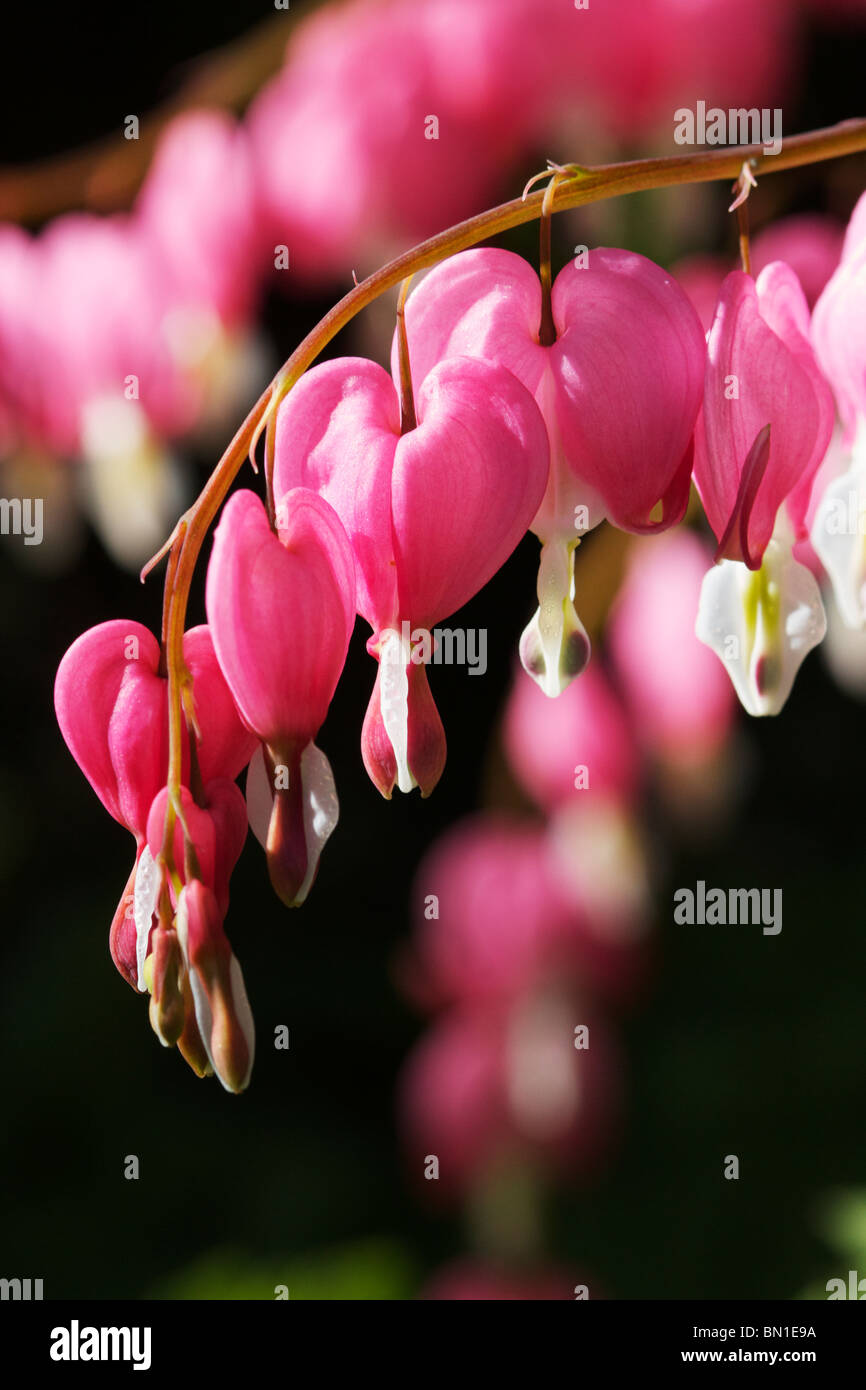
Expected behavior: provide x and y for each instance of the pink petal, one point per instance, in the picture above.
(337, 433)
(226, 746)
(481, 303)
(628, 365)
(281, 612)
(467, 483)
(777, 384)
(580, 737)
(110, 706)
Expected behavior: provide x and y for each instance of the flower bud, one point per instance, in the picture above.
(222, 1011)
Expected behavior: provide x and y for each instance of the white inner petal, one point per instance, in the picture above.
(395, 653)
(839, 535)
(321, 808)
(146, 896)
(203, 1015)
(761, 624)
(554, 646)
(243, 1013)
(260, 797)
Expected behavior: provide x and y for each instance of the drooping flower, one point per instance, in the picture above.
(766, 422)
(111, 701)
(432, 514)
(839, 528)
(198, 998)
(222, 1013)
(281, 607)
(619, 389)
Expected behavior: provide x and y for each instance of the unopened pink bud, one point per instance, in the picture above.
(222, 1010)
(167, 1008)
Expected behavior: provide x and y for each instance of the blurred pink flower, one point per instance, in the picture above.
(493, 920)
(355, 144)
(700, 53)
(810, 243)
(104, 293)
(196, 209)
(486, 1086)
(678, 695)
(573, 746)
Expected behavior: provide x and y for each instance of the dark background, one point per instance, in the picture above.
(742, 1043)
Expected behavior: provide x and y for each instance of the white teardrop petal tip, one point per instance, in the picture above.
(761, 624)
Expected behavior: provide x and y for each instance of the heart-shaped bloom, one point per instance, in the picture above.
(281, 608)
(432, 514)
(111, 702)
(766, 423)
(619, 390)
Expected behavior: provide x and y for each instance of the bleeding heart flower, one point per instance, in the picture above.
(767, 416)
(281, 608)
(432, 514)
(619, 389)
(839, 529)
(213, 1034)
(222, 1013)
(766, 424)
(112, 707)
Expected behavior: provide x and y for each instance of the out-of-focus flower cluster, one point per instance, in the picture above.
(121, 337)
(532, 930)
